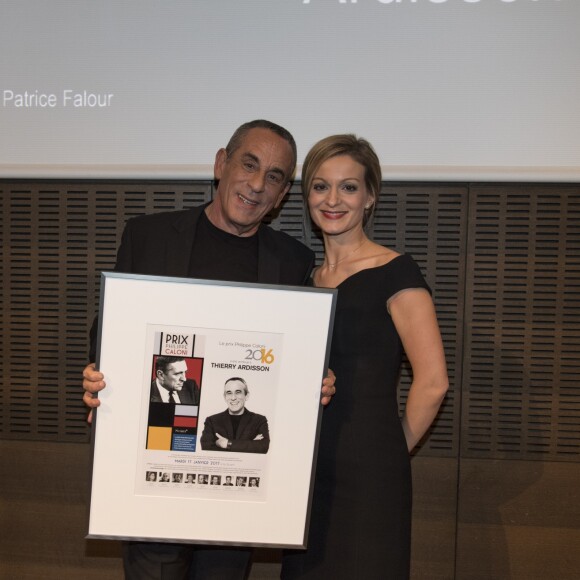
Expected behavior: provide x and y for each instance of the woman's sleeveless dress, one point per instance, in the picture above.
(360, 525)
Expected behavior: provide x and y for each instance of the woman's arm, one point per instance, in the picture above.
(414, 316)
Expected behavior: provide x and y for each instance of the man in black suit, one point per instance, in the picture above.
(171, 384)
(236, 428)
(222, 240)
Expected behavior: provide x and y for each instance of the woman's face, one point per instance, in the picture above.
(338, 196)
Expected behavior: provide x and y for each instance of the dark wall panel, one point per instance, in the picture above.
(430, 223)
(518, 519)
(56, 239)
(43, 516)
(434, 517)
(522, 352)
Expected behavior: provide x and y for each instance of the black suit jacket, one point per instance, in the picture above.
(162, 244)
(251, 425)
(189, 394)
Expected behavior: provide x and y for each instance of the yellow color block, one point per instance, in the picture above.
(159, 438)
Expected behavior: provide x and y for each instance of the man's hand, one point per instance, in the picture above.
(93, 382)
(328, 388)
(221, 441)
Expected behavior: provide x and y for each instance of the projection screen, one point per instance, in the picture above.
(444, 89)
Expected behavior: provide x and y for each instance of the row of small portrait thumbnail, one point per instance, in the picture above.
(201, 479)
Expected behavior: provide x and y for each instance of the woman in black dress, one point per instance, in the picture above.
(361, 514)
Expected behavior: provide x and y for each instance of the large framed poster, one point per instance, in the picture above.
(207, 429)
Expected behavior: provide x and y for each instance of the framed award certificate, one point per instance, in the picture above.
(207, 428)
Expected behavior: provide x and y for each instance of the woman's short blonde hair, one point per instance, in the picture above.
(360, 150)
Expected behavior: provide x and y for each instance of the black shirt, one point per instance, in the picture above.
(220, 255)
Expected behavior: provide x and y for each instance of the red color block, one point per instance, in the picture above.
(185, 422)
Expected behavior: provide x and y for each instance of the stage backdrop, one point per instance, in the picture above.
(445, 89)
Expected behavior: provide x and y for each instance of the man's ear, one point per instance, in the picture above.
(220, 160)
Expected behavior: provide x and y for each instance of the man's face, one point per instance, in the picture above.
(174, 376)
(252, 181)
(235, 396)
